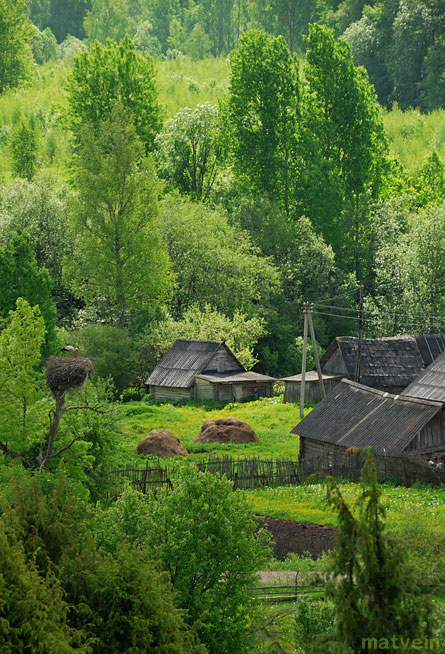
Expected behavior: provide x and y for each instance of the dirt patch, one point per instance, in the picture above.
(298, 537)
(161, 442)
(226, 430)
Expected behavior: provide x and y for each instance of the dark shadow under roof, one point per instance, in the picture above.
(184, 360)
(430, 384)
(353, 415)
(387, 362)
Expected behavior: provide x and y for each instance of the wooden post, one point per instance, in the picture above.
(303, 365)
(360, 335)
(317, 360)
(296, 585)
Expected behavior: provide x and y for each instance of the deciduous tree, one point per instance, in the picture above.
(119, 254)
(189, 150)
(106, 74)
(15, 50)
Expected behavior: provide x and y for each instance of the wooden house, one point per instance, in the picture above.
(353, 415)
(312, 390)
(195, 369)
(389, 364)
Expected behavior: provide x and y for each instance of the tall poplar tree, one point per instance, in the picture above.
(120, 257)
(341, 112)
(262, 113)
(15, 51)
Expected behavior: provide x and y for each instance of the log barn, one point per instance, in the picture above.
(198, 369)
(353, 415)
(389, 364)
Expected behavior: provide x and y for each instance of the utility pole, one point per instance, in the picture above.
(316, 359)
(360, 336)
(303, 365)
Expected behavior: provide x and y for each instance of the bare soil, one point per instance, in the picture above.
(298, 537)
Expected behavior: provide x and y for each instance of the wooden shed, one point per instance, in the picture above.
(312, 390)
(389, 364)
(195, 369)
(430, 384)
(353, 415)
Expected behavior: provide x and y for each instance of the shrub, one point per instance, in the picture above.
(204, 534)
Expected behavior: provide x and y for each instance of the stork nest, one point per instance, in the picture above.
(63, 373)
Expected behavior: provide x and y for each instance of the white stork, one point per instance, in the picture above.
(70, 351)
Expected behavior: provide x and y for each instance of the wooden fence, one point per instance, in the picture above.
(282, 593)
(405, 470)
(256, 473)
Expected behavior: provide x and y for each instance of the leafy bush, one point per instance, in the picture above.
(204, 535)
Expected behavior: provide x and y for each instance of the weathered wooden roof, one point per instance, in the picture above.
(353, 415)
(311, 376)
(234, 377)
(184, 360)
(385, 362)
(430, 384)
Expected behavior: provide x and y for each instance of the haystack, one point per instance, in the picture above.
(63, 374)
(226, 430)
(161, 442)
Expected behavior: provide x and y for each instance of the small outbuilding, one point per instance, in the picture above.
(353, 415)
(197, 369)
(312, 390)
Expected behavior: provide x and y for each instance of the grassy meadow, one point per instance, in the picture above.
(270, 418)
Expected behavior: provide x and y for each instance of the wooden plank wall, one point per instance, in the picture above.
(312, 391)
(169, 393)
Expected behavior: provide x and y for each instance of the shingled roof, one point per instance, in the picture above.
(386, 362)
(353, 415)
(430, 384)
(184, 360)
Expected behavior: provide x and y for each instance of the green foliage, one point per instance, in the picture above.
(262, 113)
(108, 19)
(189, 150)
(113, 350)
(216, 263)
(33, 612)
(203, 533)
(430, 182)
(44, 45)
(24, 150)
(290, 19)
(23, 407)
(41, 209)
(368, 580)
(20, 277)
(119, 255)
(409, 274)
(120, 600)
(314, 623)
(341, 112)
(15, 52)
(110, 73)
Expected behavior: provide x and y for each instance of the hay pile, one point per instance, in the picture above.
(63, 374)
(161, 442)
(226, 430)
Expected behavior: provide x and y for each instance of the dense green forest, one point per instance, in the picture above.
(202, 169)
(171, 168)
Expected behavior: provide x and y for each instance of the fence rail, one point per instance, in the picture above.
(255, 472)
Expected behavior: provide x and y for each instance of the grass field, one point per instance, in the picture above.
(269, 417)
(307, 502)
